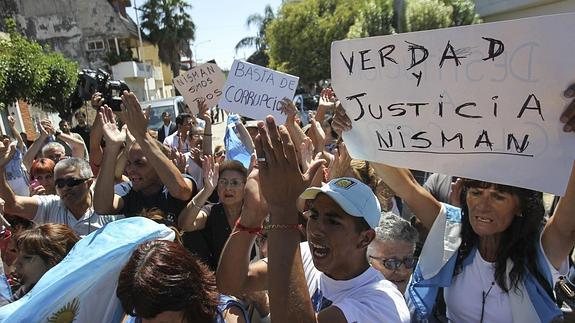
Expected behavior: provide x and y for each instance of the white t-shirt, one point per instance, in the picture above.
(465, 294)
(366, 298)
(52, 210)
(195, 171)
(173, 141)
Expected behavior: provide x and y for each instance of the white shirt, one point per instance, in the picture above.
(52, 210)
(167, 129)
(465, 295)
(366, 298)
(173, 141)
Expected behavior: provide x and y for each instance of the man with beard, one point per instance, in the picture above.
(326, 279)
(72, 206)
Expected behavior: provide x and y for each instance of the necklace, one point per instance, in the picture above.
(483, 299)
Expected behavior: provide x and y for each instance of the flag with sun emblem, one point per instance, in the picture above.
(82, 288)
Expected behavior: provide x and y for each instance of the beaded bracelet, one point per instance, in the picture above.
(283, 226)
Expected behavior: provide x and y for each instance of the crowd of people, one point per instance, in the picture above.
(300, 232)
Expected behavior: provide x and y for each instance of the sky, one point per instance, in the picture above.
(220, 25)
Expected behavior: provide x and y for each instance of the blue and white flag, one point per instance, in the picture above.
(235, 149)
(82, 288)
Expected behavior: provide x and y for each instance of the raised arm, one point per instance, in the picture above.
(326, 102)
(178, 187)
(107, 202)
(30, 155)
(400, 180)
(204, 114)
(77, 145)
(189, 215)
(558, 236)
(289, 297)
(23, 206)
(235, 274)
(15, 133)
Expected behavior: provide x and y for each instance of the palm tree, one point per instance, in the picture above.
(169, 26)
(260, 56)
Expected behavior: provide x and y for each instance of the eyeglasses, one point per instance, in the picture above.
(394, 263)
(233, 183)
(70, 182)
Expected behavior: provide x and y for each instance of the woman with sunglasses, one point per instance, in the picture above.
(495, 258)
(42, 177)
(392, 250)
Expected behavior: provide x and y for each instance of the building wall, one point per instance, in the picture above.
(68, 25)
(498, 10)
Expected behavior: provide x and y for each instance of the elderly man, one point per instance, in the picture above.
(72, 205)
(154, 180)
(328, 278)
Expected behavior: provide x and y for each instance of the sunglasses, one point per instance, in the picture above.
(70, 182)
(394, 263)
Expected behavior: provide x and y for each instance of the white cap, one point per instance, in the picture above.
(353, 196)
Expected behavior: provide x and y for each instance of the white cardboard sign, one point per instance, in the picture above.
(201, 83)
(480, 101)
(255, 91)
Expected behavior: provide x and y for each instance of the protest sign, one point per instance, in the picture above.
(254, 91)
(201, 83)
(479, 101)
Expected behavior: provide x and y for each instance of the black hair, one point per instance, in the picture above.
(181, 118)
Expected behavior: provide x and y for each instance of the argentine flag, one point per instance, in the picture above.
(82, 288)
(235, 149)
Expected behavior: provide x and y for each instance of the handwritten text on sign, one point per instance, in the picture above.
(254, 91)
(479, 101)
(201, 83)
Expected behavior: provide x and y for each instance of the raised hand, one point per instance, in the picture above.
(327, 99)
(37, 190)
(317, 136)
(11, 121)
(204, 111)
(341, 163)
(97, 100)
(47, 126)
(341, 121)
(568, 116)
(179, 160)
(135, 119)
(280, 177)
(6, 154)
(210, 172)
(112, 135)
(288, 108)
(306, 151)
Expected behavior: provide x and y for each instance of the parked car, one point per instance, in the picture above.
(174, 105)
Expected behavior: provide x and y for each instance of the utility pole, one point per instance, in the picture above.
(140, 49)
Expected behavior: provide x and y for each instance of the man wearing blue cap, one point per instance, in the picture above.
(326, 279)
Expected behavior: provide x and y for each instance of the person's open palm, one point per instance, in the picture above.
(111, 133)
(6, 153)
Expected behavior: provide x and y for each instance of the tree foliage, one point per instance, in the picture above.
(54, 95)
(300, 37)
(35, 74)
(169, 26)
(22, 67)
(259, 57)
